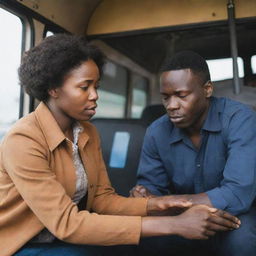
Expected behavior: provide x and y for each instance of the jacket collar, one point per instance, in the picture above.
(51, 130)
(211, 124)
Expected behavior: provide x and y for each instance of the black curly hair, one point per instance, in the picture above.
(188, 59)
(45, 66)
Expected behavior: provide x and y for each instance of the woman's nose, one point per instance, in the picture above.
(93, 94)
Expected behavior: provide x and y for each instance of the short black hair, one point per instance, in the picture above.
(45, 66)
(188, 59)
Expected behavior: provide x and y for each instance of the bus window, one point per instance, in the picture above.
(139, 95)
(49, 33)
(253, 64)
(10, 54)
(112, 92)
(222, 69)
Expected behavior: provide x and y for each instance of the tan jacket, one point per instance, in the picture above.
(37, 182)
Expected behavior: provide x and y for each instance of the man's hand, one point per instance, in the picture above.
(223, 221)
(197, 222)
(140, 191)
(201, 222)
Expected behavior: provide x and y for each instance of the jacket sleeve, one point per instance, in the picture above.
(27, 163)
(238, 187)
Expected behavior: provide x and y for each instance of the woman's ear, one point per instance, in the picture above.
(208, 89)
(54, 93)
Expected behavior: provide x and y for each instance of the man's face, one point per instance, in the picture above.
(185, 97)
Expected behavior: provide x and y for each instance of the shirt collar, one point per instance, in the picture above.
(51, 130)
(176, 134)
(212, 122)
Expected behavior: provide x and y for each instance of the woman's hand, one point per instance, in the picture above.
(167, 205)
(163, 205)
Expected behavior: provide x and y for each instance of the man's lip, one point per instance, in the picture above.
(176, 119)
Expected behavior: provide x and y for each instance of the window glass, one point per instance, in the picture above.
(253, 64)
(10, 54)
(139, 95)
(221, 69)
(49, 33)
(112, 92)
(119, 150)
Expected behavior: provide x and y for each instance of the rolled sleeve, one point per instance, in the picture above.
(216, 197)
(238, 187)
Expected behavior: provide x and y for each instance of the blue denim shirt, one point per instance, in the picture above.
(224, 167)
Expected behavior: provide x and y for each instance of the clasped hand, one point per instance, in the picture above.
(192, 221)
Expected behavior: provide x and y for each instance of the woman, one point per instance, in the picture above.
(53, 182)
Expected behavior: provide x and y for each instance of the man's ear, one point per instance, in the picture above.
(208, 89)
(54, 93)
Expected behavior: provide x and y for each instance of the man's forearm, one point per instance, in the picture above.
(201, 198)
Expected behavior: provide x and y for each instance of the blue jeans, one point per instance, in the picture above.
(58, 249)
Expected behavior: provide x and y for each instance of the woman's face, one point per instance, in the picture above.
(76, 98)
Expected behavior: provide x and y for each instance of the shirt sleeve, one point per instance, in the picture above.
(238, 187)
(27, 163)
(151, 172)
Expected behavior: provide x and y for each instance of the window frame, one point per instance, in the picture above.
(27, 41)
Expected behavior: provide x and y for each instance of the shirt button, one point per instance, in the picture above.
(198, 165)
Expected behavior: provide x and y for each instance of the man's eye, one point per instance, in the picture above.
(182, 95)
(84, 88)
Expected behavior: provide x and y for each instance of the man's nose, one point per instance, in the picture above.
(173, 103)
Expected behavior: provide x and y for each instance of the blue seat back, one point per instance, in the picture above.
(121, 142)
(151, 113)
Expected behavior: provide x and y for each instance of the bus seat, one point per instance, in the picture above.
(151, 113)
(121, 142)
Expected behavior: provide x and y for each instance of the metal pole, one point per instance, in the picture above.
(233, 44)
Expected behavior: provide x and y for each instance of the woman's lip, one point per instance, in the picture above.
(92, 107)
(91, 111)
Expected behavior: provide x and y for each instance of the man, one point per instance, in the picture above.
(204, 150)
